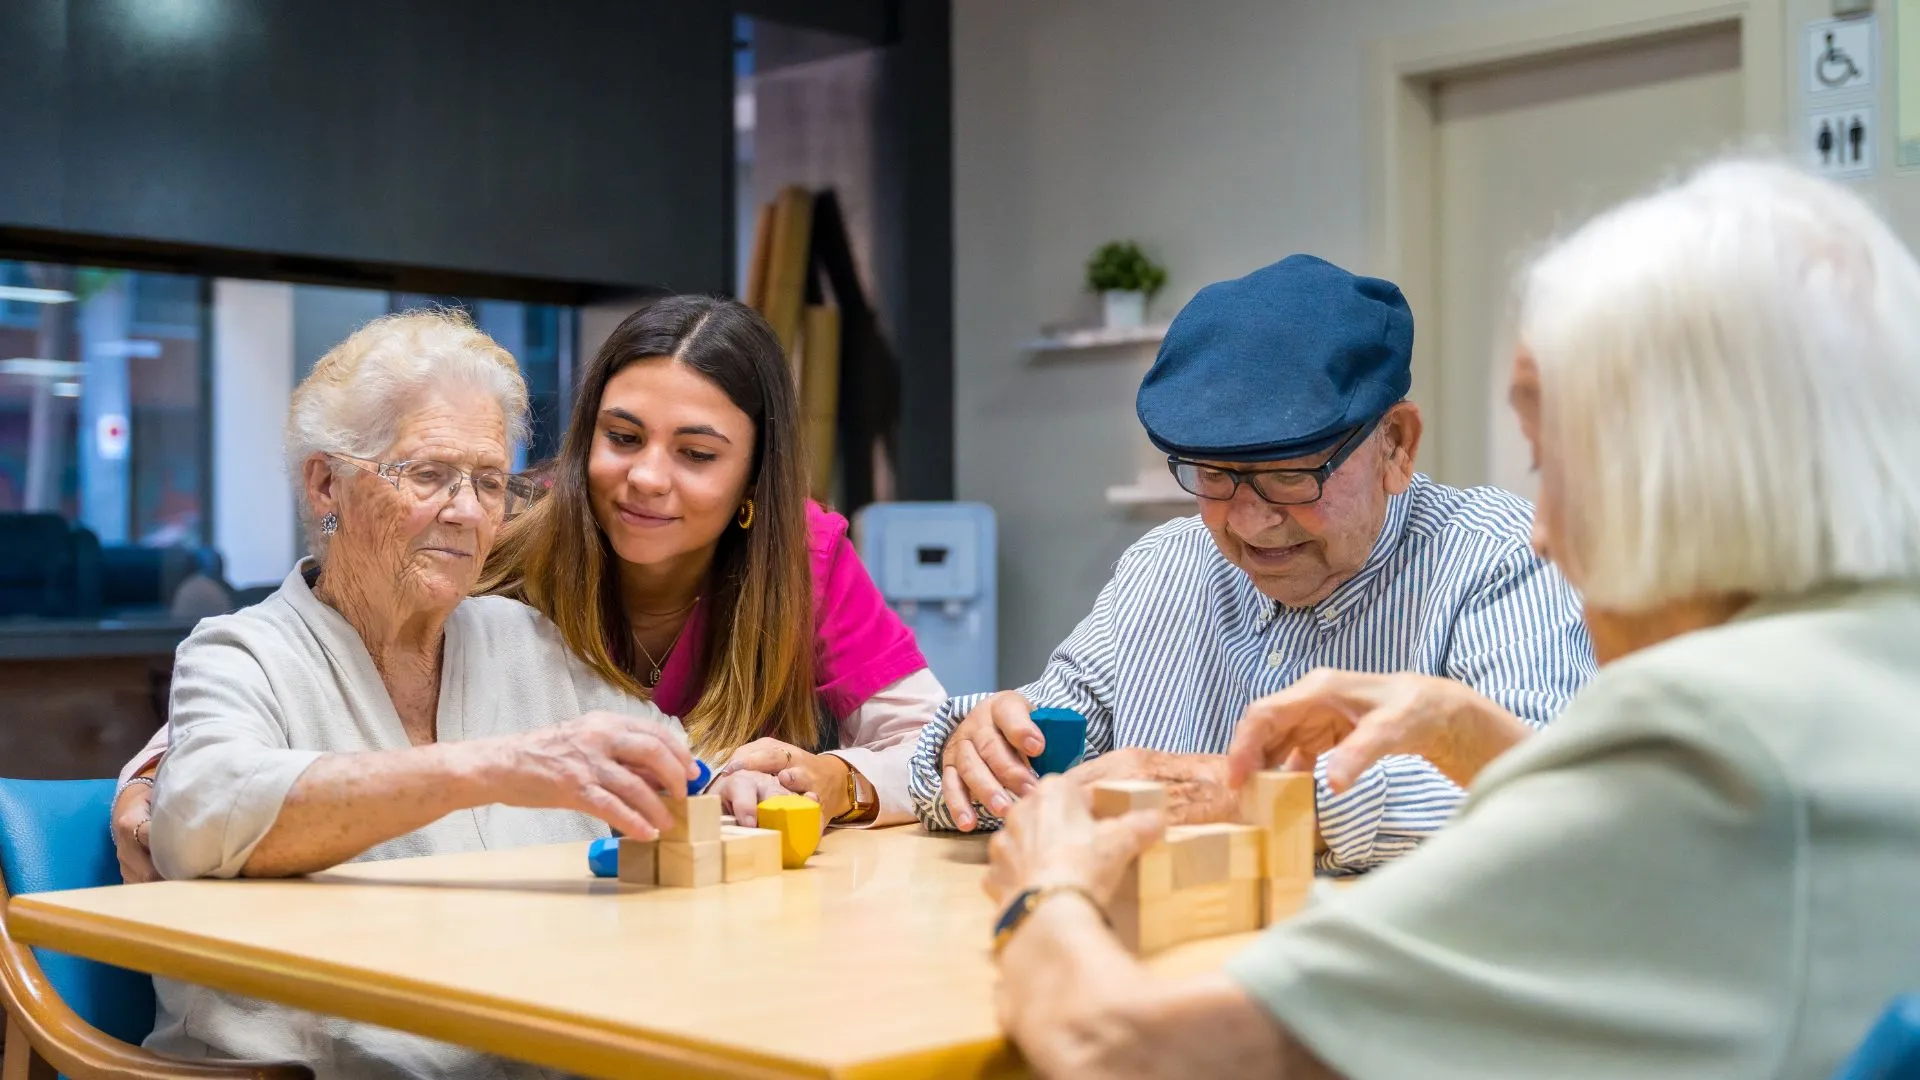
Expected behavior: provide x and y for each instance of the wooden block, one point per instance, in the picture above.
(694, 865)
(1112, 798)
(1224, 907)
(1145, 926)
(1282, 803)
(1150, 877)
(695, 821)
(797, 819)
(1282, 898)
(1216, 851)
(748, 853)
(726, 820)
(639, 861)
(1200, 856)
(1204, 911)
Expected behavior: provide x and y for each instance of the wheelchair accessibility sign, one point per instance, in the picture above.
(1840, 55)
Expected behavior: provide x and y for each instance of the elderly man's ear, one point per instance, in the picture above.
(1400, 445)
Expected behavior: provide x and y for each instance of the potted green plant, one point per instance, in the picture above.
(1125, 278)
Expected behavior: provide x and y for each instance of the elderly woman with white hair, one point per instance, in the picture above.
(372, 708)
(1704, 867)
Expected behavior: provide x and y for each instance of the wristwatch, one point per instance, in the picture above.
(1028, 902)
(863, 803)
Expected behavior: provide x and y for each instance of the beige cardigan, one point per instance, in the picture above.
(258, 696)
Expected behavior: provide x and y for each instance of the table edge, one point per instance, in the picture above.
(510, 1029)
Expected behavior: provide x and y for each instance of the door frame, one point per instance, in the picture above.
(1401, 75)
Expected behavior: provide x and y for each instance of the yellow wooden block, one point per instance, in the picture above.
(797, 819)
(639, 861)
(696, 820)
(748, 853)
(1113, 798)
(686, 865)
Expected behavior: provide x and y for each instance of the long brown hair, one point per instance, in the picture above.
(759, 594)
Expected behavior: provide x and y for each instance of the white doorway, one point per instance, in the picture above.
(1497, 139)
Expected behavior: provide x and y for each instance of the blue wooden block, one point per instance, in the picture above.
(603, 857)
(1891, 1050)
(1066, 734)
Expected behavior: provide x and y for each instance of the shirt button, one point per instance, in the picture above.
(1275, 659)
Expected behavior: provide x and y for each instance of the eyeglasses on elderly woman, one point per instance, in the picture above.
(500, 494)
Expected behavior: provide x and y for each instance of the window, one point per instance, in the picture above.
(103, 400)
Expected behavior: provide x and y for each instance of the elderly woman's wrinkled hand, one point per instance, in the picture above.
(1051, 839)
(132, 815)
(620, 769)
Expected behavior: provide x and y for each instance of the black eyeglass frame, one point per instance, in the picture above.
(1252, 477)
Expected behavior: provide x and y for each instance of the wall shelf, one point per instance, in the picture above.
(1096, 337)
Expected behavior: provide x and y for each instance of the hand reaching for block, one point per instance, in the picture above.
(1053, 839)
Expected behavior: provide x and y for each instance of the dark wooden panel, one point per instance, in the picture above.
(588, 141)
(78, 719)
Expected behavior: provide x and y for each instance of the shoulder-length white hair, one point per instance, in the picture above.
(355, 398)
(1730, 390)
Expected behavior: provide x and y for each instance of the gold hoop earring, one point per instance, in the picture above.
(744, 518)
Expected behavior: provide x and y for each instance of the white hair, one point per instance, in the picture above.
(1730, 390)
(353, 401)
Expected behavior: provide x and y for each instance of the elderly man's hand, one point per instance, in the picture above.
(132, 817)
(1051, 838)
(985, 759)
(1196, 783)
(621, 769)
(1361, 718)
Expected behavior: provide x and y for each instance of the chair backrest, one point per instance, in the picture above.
(1891, 1050)
(54, 835)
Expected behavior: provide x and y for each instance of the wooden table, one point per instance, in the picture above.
(871, 961)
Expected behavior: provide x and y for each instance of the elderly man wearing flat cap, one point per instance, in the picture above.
(1322, 572)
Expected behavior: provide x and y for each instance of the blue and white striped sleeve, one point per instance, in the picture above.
(1079, 676)
(1519, 641)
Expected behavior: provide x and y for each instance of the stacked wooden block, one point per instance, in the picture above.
(700, 848)
(1225, 878)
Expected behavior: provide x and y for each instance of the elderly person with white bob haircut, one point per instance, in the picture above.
(371, 708)
(1704, 867)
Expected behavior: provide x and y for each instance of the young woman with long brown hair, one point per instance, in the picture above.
(679, 556)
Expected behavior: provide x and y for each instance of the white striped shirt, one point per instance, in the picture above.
(1180, 641)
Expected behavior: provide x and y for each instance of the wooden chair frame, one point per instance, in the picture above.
(45, 1037)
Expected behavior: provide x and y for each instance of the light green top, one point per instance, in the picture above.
(1706, 867)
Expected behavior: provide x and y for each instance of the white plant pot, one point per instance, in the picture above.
(1124, 310)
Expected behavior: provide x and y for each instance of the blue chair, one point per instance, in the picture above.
(84, 1018)
(1891, 1050)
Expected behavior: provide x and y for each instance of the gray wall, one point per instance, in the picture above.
(586, 141)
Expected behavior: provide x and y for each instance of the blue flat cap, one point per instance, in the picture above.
(1278, 364)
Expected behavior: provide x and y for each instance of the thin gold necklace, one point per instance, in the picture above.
(653, 675)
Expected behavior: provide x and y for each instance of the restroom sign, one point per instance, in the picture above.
(1840, 141)
(1839, 55)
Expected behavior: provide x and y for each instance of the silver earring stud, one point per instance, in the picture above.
(330, 524)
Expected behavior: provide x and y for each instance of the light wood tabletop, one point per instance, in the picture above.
(871, 961)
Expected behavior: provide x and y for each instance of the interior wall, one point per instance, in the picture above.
(1223, 136)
